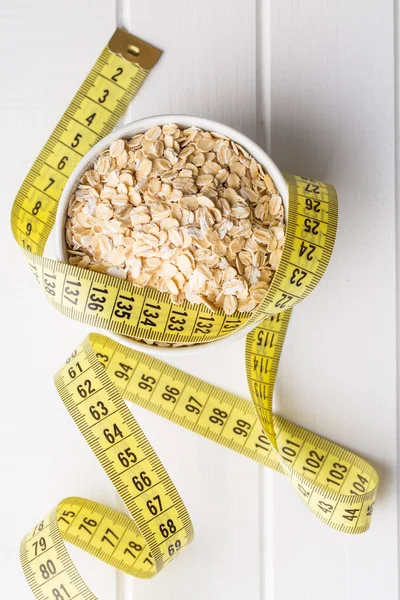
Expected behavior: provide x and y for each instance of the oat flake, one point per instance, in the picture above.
(187, 212)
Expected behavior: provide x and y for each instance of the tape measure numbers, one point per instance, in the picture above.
(335, 484)
(117, 305)
(94, 111)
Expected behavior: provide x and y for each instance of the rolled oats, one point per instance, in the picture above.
(187, 212)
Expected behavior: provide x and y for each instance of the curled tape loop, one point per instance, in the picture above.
(335, 484)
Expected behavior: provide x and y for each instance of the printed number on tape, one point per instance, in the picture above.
(336, 485)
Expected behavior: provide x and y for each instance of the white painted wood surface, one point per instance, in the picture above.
(313, 81)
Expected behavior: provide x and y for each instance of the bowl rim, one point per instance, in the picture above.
(139, 126)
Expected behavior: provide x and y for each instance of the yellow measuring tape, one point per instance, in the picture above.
(335, 484)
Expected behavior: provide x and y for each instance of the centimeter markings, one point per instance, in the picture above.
(308, 247)
(115, 537)
(263, 349)
(141, 369)
(303, 263)
(336, 485)
(117, 305)
(112, 433)
(32, 218)
(231, 421)
(114, 304)
(185, 400)
(35, 205)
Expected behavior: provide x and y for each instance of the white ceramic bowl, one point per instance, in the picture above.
(128, 131)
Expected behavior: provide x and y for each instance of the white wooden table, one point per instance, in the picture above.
(314, 81)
